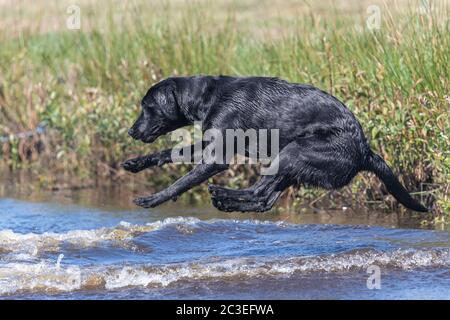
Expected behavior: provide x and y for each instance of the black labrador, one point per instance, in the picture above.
(320, 141)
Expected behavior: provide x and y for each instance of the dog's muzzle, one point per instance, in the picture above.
(132, 133)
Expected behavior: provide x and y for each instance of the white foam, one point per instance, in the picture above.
(32, 243)
(23, 270)
(45, 276)
(38, 277)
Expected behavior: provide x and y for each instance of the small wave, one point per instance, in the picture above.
(32, 243)
(49, 277)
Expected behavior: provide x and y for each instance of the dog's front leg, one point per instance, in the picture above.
(155, 159)
(200, 173)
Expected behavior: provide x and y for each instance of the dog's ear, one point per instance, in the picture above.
(168, 102)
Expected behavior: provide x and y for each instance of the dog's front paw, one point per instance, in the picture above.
(130, 165)
(133, 165)
(148, 202)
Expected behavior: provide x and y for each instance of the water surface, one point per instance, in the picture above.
(54, 249)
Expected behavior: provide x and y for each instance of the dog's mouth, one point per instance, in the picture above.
(154, 134)
(151, 135)
(149, 138)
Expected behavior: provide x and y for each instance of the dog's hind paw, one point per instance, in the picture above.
(213, 189)
(229, 205)
(233, 194)
(221, 205)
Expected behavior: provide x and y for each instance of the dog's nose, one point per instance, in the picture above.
(131, 132)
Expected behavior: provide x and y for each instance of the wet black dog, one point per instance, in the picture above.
(321, 142)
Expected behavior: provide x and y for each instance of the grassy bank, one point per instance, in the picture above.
(86, 84)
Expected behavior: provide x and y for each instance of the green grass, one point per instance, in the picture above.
(87, 84)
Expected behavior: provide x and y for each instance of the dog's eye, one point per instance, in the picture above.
(145, 106)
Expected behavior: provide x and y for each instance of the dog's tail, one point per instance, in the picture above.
(378, 166)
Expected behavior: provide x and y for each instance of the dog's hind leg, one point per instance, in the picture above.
(262, 195)
(264, 186)
(259, 197)
(196, 176)
(309, 161)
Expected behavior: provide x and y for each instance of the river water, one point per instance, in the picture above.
(81, 245)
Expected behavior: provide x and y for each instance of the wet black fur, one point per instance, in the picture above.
(321, 142)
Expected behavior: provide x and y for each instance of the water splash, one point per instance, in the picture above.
(33, 243)
(47, 277)
(186, 250)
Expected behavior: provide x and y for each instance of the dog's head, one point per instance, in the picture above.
(160, 113)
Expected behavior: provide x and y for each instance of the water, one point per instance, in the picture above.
(70, 248)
